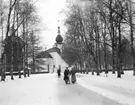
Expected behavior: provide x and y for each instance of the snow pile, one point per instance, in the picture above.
(121, 90)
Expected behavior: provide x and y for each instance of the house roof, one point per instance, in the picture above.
(43, 54)
(54, 49)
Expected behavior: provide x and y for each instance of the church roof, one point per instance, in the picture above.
(54, 49)
(44, 54)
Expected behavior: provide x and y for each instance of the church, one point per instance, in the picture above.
(52, 57)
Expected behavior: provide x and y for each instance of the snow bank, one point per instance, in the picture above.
(121, 90)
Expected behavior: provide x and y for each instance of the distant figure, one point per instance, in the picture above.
(66, 75)
(73, 76)
(59, 72)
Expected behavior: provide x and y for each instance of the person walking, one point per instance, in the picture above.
(66, 75)
(59, 72)
(73, 75)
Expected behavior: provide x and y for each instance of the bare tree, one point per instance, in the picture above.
(130, 10)
(21, 20)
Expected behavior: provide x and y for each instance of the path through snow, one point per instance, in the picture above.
(47, 89)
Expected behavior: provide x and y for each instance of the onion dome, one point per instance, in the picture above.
(59, 38)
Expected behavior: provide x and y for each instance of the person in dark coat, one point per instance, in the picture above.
(66, 73)
(59, 72)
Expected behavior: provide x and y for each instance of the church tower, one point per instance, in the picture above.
(59, 39)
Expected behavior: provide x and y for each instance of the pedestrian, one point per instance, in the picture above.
(59, 72)
(73, 75)
(66, 75)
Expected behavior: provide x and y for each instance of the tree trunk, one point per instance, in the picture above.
(24, 70)
(17, 33)
(24, 49)
(92, 72)
(48, 68)
(105, 53)
(19, 72)
(33, 57)
(97, 53)
(26, 57)
(11, 70)
(119, 73)
(131, 36)
(18, 59)
(113, 57)
(119, 52)
(2, 74)
(134, 70)
(28, 74)
(97, 63)
(113, 38)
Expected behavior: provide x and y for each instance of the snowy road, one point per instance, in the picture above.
(47, 89)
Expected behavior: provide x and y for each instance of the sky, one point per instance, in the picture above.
(50, 12)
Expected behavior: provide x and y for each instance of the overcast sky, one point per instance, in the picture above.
(49, 12)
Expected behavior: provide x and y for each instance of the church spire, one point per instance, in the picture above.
(59, 38)
(58, 28)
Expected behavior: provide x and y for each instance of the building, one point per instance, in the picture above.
(52, 56)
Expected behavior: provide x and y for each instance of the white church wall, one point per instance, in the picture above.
(57, 60)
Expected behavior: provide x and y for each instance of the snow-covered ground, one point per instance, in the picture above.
(48, 89)
(32, 90)
(121, 90)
